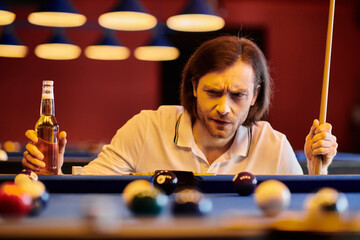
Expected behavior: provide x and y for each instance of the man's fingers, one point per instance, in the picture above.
(62, 142)
(324, 145)
(324, 136)
(31, 135)
(325, 127)
(328, 151)
(32, 163)
(34, 151)
(62, 139)
(312, 129)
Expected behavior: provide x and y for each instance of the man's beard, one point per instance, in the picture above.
(217, 131)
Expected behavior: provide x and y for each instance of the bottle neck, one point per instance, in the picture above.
(47, 101)
(47, 107)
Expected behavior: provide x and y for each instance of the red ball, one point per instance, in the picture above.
(14, 201)
(244, 183)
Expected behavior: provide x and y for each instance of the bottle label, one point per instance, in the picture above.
(47, 92)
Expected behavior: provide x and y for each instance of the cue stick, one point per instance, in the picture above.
(325, 86)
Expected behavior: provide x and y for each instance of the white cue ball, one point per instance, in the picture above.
(272, 196)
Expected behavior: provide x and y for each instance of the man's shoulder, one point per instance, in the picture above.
(165, 110)
(164, 114)
(264, 128)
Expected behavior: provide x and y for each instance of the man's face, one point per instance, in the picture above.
(224, 99)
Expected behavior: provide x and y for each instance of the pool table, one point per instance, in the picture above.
(232, 217)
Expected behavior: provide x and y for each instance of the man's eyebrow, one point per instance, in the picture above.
(212, 87)
(235, 90)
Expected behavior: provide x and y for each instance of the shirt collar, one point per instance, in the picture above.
(184, 136)
(241, 144)
(183, 131)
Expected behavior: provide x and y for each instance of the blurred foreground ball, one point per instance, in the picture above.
(327, 200)
(149, 202)
(272, 196)
(25, 176)
(39, 194)
(191, 202)
(133, 188)
(14, 201)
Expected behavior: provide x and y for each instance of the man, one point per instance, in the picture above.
(225, 94)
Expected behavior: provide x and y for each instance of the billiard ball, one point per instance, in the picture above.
(325, 210)
(244, 183)
(25, 175)
(326, 200)
(14, 201)
(191, 202)
(149, 202)
(133, 188)
(272, 197)
(166, 181)
(39, 194)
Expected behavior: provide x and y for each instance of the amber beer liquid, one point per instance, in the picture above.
(47, 130)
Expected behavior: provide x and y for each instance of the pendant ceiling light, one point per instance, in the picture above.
(198, 16)
(159, 48)
(10, 45)
(57, 13)
(6, 17)
(58, 48)
(108, 48)
(128, 15)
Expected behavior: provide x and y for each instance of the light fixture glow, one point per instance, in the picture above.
(57, 51)
(159, 48)
(156, 53)
(198, 16)
(10, 45)
(58, 48)
(195, 23)
(108, 48)
(107, 52)
(6, 17)
(57, 13)
(13, 51)
(128, 15)
(57, 19)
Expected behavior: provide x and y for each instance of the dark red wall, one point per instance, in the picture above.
(95, 98)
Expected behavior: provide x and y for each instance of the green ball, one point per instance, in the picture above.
(149, 202)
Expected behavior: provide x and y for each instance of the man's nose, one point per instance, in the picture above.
(223, 106)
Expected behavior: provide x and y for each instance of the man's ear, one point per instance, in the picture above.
(194, 87)
(255, 95)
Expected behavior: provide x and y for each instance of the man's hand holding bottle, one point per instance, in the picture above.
(33, 157)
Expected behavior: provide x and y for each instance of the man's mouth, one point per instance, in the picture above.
(221, 122)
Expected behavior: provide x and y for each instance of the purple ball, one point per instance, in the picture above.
(244, 183)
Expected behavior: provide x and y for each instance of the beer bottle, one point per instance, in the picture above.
(47, 130)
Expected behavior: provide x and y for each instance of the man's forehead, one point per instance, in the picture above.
(239, 75)
(233, 83)
(220, 84)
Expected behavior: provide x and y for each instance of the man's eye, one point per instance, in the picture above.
(214, 93)
(237, 95)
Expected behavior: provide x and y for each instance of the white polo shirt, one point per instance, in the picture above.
(163, 140)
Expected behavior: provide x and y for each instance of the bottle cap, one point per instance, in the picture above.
(48, 82)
